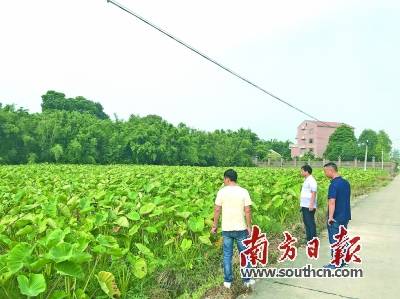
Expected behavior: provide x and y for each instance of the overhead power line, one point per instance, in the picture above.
(214, 61)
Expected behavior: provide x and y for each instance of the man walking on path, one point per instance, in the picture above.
(338, 203)
(235, 202)
(308, 201)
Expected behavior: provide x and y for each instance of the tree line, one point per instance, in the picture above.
(344, 144)
(77, 130)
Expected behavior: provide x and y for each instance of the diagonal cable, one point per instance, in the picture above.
(214, 61)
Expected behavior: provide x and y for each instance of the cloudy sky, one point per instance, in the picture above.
(337, 60)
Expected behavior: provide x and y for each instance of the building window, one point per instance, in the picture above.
(311, 141)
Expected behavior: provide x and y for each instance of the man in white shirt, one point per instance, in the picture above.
(308, 201)
(234, 202)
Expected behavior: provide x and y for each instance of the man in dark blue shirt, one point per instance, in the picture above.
(338, 203)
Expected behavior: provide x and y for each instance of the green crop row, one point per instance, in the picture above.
(128, 231)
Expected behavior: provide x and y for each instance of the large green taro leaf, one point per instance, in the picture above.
(32, 285)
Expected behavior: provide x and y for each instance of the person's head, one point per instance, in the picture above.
(230, 176)
(331, 170)
(306, 170)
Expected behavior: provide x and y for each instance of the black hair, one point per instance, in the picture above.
(307, 168)
(331, 164)
(231, 174)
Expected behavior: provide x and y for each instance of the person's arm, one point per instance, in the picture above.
(331, 210)
(247, 212)
(312, 200)
(313, 189)
(332, 193)
(217, 212)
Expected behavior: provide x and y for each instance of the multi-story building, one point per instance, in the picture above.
(313, 136)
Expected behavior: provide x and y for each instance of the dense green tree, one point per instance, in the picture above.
(282, 147)
(16, 141)
(370, 138)
(384, 146)
(67, 133)
(396, 156)
(60, 136)
(342, 143)
(58, 152)
(54, 100)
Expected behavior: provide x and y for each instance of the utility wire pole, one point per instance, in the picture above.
(366, 156)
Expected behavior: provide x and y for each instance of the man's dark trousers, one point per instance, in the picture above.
(309, 222)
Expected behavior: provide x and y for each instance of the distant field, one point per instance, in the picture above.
(148, 226)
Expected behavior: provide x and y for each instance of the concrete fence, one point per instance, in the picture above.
(389, 166)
